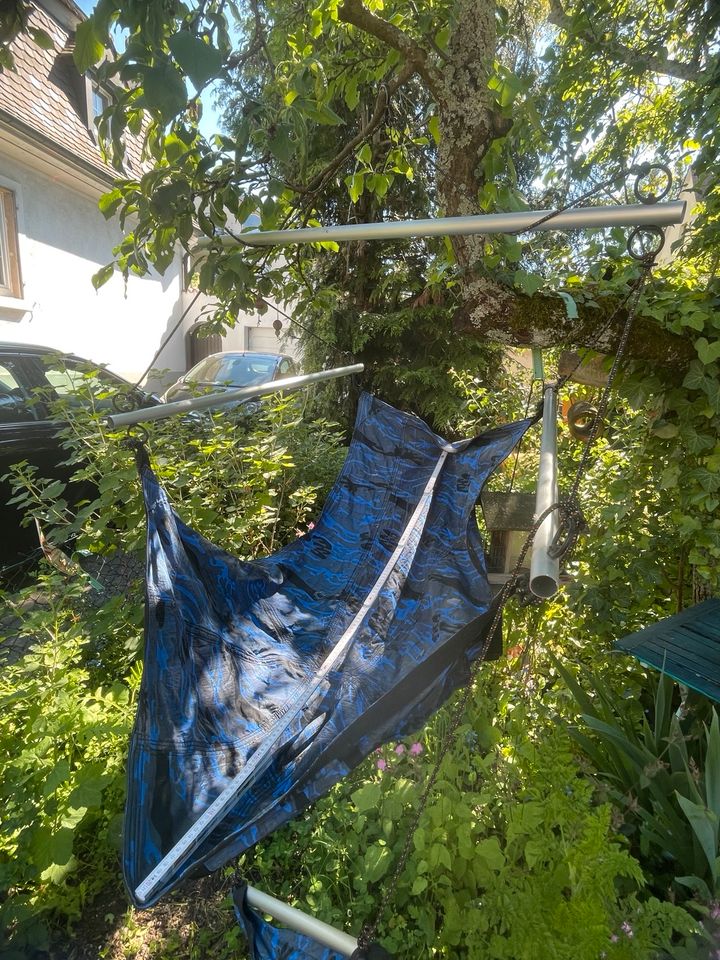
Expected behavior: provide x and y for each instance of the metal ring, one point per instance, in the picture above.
(135, 434)
(638, 243)
(124, 402)
(581, 417)
(645, 170)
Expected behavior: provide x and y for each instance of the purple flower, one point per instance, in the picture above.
(381, 765)
(614, 938)
(715, 910)
(416, 749)
(627, 929)
(399, 749)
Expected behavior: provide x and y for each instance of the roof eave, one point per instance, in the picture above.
(90, 171)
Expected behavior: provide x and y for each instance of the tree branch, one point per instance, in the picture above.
(356, 13)
(381, 102)
(657, 63)
(541, 320)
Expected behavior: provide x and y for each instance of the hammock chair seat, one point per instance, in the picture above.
(296, 666)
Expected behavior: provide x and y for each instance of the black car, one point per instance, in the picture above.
(230, 370)
(31, 378)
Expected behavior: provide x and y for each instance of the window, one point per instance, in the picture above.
(10, 282)
(15, 404)
(80, 384)
(286, 368)
(99, 101)
(237, 369)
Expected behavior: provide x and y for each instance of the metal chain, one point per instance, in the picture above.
(571, 516)
(369, 930)
(572, 519)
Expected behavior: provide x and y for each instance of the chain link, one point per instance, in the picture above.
(572, 522)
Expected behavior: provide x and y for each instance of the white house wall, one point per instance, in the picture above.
(63, 241)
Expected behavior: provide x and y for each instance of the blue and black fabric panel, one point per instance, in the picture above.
(236, 652)
(267, 942)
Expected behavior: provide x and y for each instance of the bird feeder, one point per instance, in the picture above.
(508, 519)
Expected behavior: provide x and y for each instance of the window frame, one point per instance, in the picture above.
(9, 245)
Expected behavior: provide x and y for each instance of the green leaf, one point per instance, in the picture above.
(708, 352)
(164, 90)
(103, 275)
(89, 792)
(88, 46)
(200, 61)
(41, 38)
(529, 283)
(376, 862)
(109, 203)
(352, 94)
(489, 852)
(434, 128)
(705, 827)
(58, 775)
(712, 766)
(355, 184)
(367, 797)
(419, 885)
(50, 847)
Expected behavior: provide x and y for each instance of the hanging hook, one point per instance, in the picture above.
(645, 243)
(647, 176)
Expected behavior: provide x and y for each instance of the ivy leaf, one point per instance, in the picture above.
(164, 90)
(708, 352)
(529, 283)
(88, 46)
(200, 61)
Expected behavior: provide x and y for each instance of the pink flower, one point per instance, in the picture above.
(627, 929)
(416, 749)
(399, 749)
(715, 910)
(381, 765)
(311, 526)
(614, 938)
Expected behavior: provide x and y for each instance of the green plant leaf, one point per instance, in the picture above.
(88, 48)
(196, 58)
(164, 90)
(705, 827)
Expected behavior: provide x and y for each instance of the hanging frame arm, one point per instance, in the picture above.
(301, 922)
(580, 218)
(164, 410)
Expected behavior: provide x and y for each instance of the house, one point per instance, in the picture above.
(53, 237)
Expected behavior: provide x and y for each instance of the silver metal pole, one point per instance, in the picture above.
(625, 215)
(544, 570)
(164, 410)
(301, 922)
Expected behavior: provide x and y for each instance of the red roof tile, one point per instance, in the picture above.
(44, 93)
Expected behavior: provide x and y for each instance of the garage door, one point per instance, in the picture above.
(263, 340)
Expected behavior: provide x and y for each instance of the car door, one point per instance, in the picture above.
(25, 434)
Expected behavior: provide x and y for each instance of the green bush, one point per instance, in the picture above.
(512, 858)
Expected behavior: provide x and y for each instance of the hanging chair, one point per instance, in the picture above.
(266, 682)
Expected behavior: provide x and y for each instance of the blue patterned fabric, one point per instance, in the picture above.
(233, 649)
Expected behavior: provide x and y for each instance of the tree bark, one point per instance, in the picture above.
(542, 321)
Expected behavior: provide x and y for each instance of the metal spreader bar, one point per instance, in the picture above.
(620, 215)
(210, 400)
(545, 569)
(300, 922)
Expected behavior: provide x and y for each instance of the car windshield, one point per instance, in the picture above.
(243, 370)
